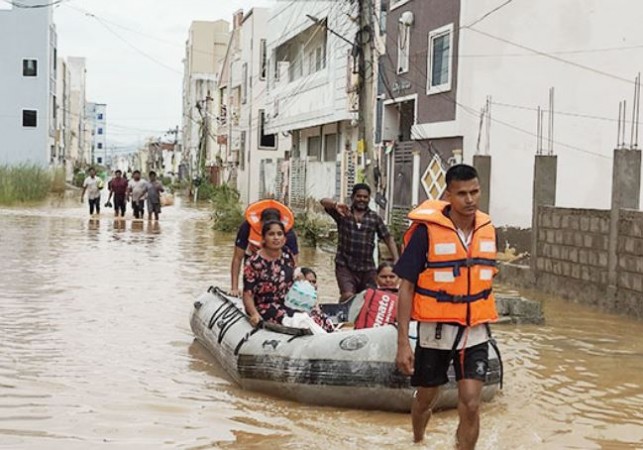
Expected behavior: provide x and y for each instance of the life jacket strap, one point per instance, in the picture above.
(442, 296)
(459, 263)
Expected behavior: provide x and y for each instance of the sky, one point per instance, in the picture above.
(134, 51)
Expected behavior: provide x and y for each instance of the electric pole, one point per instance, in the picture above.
(367, 64)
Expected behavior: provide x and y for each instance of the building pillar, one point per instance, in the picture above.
(543, 194)
(415, 182)
(482, 163)
(626, 191)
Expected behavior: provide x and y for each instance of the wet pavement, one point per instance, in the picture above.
(96, 351)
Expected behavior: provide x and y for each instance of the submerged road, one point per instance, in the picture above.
(96, 352)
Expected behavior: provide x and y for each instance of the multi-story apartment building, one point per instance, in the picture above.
(96, 117)
(446, 61)
(254, 151)
(79, 150)
(204, 50)
(28, 70)
(312, 95)
(62, 117)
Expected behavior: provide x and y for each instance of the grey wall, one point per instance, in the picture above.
(24, 33)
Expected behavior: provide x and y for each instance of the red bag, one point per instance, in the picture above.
(380, 308)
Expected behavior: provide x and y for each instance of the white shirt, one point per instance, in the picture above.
(139, 189)
(471, 337)
(91, 184)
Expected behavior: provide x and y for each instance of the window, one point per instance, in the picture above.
(29, 118)
(330, 147)
(99, 116)
(100, 131)
(244, 85)
(99, 160)
(403, 47)
(440, 59)
(265, 140)
(263, 59)
(54, 105)
(314, 148)
(29, 68)
(99, 145)
(242, 151)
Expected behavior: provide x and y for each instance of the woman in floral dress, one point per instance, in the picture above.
(267, 277)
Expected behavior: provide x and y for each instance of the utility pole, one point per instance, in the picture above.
(367, 64)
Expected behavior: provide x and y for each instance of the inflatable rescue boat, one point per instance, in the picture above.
(352, 368)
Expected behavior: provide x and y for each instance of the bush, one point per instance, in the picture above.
(24, 183)
(313, 227)
(79, 178)
(58, 184)
(226, 210)
(205, 191)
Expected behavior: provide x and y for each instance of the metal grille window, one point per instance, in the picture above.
(29, 68)
(263, 59)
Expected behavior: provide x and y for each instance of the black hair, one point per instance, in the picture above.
(359, 187)
(136, 172)
(307, 270)
(270, 214)
(383, 265)
(266, 227)
(461, 172)
(152, 173)
(117, 171)
(91, 168)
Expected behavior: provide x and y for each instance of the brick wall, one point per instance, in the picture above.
(572, 257)
(629, 250)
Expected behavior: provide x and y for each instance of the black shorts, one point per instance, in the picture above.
(119, 203)
(431, 365)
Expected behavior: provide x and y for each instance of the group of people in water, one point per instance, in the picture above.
(442, 280)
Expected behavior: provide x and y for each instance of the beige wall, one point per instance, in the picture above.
(207, 45)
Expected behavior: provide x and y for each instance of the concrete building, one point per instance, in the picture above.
(204, 50)
(252, 148)
(62, 117)
(96, 116)
(28, 103)
(445, 59)
(312, 96)
(79, 150)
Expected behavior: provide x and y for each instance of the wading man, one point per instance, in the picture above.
(447, 271)
(357, 226)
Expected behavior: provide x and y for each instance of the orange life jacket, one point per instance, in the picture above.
(456, 285)
(379, 309)
(253, 217)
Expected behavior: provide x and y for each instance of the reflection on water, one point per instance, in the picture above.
(96, 350)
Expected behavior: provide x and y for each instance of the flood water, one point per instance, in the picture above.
(96, 352)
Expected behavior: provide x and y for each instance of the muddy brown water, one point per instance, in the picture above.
(96, 352)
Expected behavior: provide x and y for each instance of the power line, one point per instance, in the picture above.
(484, 16)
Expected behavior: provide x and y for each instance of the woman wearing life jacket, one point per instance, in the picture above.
(248, 240)
(386, 278)
(447, 270)
(378, 306)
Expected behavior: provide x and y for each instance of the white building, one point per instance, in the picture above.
(62, 117)
(255, 151)
(96, 116)
(28, 70)
(312, 96)
(204, 50)
(79, 150)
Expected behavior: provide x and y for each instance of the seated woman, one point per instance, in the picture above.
(267, 277)
(386, 278)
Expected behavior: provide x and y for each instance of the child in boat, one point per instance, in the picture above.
(316, 313)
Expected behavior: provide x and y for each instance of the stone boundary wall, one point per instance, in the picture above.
(629, 250)
(571, 253)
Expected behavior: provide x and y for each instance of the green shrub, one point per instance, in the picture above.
(79, 178)
(205, 191)
(226, 209)
(24, 183)
(58, 184)
(313, 228)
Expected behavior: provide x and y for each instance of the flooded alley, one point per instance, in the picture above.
(96, 351)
